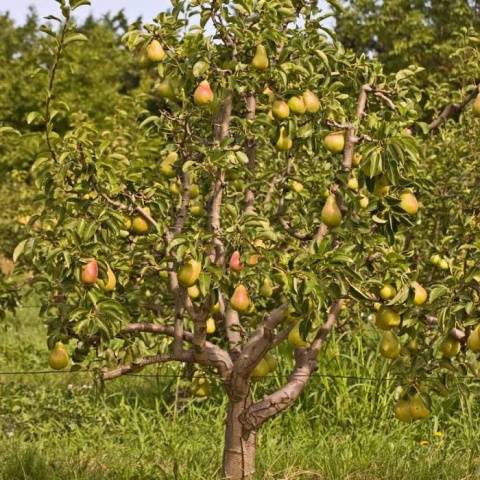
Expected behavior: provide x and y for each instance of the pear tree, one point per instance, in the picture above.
(260, 190)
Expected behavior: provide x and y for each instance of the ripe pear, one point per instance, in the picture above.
(111, 282)
(476, 106)
(165, 89)
(297, 105)
(89, 274)
(155, 51)
(167, 170)
(240, 301)
(435, 259)
(418, 408)
(271, 361)
(235, 263)
(381, 186)
(139, 225)
(402, 411)
(58, 358)
(193, 292)
(443, 264)
(269, 93)
(266, 290)
(197, 210)
(390, 346)
(189, 273)
(335, 142)
(260, 60)
(387, 292)
(174, 188)
(352, 183)
(409, 203)
(364, 201)
(387, 318)
(297, 186)
(201, 388)
(211, 327)
(473, 342)
(194, 191)
(284, 141)
(357, 159)
(262, 369)
(253, 259)
(450, 348)
(203, 94)
(280, 109)
(331, 215)
(294, 337)
(420, 294)
(312, 103)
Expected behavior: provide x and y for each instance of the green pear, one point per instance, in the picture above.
(418, 408)
(165, 89)
(260, 60)
(284, 141)
(381, 186)
(266, 290)
(390, 346)
(387, 292)
(450, 348)
(294, 337)
(297, 105)
(387, 318)
(473, 342)
(331, 215)
(402, 411)
(189, 273)
(476, 106)
(58, 358)
(262, 369)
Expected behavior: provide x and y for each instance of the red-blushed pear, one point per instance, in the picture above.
(297, 105)
(335, 142)
(240, 301)
(155, 51)
(331, 215)
(476, 106)
(409, 203)
(203, 94)
(89, 274)
(420, 295)
(189, 273)
(387, 318)
(311, 101)
(58, 358)
(284, 141)
(390, 346)
(473, 342)
(260, 59)
(450, 348)
(280, 109)
(235, 263)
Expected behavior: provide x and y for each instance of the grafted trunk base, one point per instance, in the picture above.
(240, 445)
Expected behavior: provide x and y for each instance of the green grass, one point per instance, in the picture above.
(56, 427)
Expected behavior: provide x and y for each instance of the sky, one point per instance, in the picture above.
(133, 8)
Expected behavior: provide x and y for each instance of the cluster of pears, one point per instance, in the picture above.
(58, 358)
(200, 386)
(188, 275)
(89, 276)
(450, 347)
(439, 262)
(411, 408)
(137, 224)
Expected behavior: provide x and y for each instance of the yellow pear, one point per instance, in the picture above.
(357, 159)
(194, 191)
(381, 186)
(139, 225)
(390, 346)
(211, 327)
(189, 273)
(193, 292)
(402, 411)
(111, 282)
(280, 109)
(331, 215)
(197, 210)
(155, 51)
(418, 408)
(284, 141)
(476, 106)
(311, 101)
(473, 342)
(443, 264)
(352, 183)
(297, 105)
(240, 301)
(387, 318)
(58, 358)
(297, 186)
(387, 292)
(266, 290)
(364, 201)
(335, 142)
(174, 188)
(294, 337)
(450, 348)
(409, 203)
(165, 89)
(262, 369)
(271, 361)
(260, 60)
(420, 294)
(203, 94)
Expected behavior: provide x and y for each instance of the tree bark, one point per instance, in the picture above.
(240, 444)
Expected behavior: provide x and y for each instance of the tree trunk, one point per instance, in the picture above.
(239, 450)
